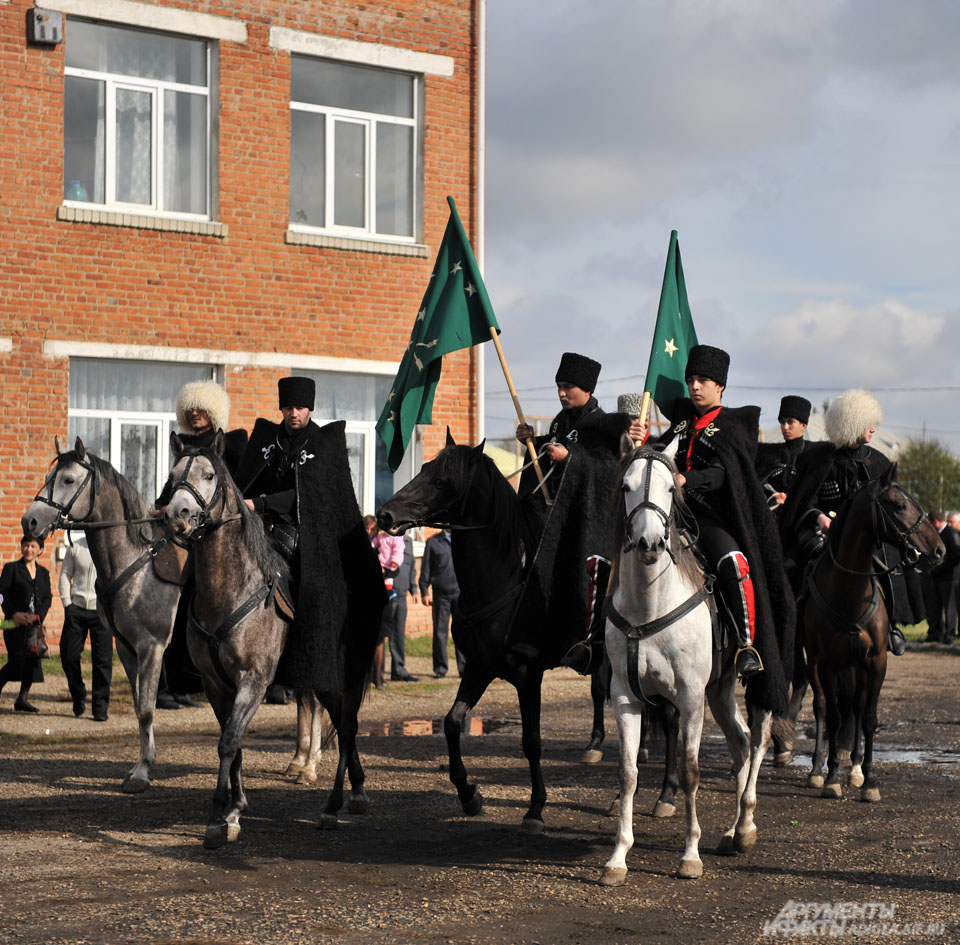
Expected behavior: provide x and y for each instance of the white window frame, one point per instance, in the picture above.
(370, 120)
(158, 88)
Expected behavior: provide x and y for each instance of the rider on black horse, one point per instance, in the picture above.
(830, 473)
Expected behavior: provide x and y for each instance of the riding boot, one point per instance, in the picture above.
(896, 643)
(736, 589)
(586, 655)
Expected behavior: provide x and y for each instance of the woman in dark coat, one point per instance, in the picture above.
(25, 589)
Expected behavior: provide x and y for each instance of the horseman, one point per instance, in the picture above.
(716, 452)
(828, 474)
(777, 462)
(296, 475)
(579, 455)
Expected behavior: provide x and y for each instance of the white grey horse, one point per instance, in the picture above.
(129, 551)
(659, 639)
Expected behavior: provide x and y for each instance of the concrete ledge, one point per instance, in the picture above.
(296, 238)
(140, 221)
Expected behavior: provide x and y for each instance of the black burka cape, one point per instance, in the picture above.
(339, 587)
(743, 507)
(578, 524)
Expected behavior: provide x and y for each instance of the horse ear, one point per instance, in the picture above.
(626, 444)
(479, 447)
(670, 450)
(80, 448)
(892, 473)
(450, 440)
(56, 443)
(219, 443)
(176, 446)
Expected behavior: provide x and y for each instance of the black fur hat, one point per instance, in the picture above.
(795, 408)
(706, 361)
(297, 392)
(580, 370)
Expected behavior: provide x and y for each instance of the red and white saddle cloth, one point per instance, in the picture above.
(598, 574)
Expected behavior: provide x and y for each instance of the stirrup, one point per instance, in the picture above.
(749, 649)
(579, 657)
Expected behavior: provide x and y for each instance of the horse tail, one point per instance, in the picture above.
(784, 729)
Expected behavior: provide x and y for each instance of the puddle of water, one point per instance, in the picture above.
(474, 725)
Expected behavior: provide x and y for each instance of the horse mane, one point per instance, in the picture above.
(132, 502)
(461, 466)
(253, 536)
(685, 558)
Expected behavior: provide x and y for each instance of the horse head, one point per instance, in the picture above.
(647, 486)
(904, 524)
(197, 480)
(440, 494)
(68, 493)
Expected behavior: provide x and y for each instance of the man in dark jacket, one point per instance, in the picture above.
(940, 585)
(777, 462)
(404, 583)
(440, 590)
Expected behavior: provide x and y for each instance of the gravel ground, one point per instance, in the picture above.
(80, 862)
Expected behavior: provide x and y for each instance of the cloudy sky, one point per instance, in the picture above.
(808, 154)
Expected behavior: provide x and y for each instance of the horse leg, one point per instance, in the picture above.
(303, 765)
(528, 692)
(855, 778)
(831, 786)
(357, 803)
(643, 753)
(148, 661)
(690, 731)
(815, 778)
(846, 706)
(629, 717)
(875, 676)
(746, 830)
(783, 745)
(472, 687)
(669, 717)
(599, 693)
(722, 697)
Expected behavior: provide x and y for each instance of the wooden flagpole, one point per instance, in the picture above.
(531, 446)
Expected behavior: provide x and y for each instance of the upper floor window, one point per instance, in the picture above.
(354, 148)
(136, 120)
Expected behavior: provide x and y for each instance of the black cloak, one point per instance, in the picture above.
(336, 573)
(742, 504)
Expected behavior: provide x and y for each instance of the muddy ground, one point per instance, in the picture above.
(80, 862)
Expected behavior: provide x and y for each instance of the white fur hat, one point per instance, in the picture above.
(850, 415)
(203, 395)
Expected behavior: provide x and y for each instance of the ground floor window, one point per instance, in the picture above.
(358, 399)
(124, 412)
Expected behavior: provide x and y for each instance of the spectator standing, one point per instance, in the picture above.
(79, 599)
(940, 585)
(25, 590)
(389, 549)
(436, 572)
(404, 583)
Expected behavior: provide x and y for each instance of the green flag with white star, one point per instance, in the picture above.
(673, 336)
(455, 313)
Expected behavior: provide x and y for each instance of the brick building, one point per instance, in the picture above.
(236, 189)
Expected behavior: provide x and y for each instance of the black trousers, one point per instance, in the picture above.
(442, 611)
(736, 589)
(77, 623)
(940, 598)
(395, 613)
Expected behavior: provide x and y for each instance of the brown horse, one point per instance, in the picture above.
(845, 623)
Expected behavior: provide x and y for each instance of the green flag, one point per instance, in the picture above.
(673, 336)
(455, 313)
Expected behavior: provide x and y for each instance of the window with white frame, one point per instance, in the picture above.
(137, 120)
(354, 149)
(358, 400)
(124, 411)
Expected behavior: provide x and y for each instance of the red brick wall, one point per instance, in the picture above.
(249, 291)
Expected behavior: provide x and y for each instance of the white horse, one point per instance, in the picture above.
(130, 553)
(659, 638)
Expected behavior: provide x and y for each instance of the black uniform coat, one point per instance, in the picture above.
(578, 524)
(777, 464)
(340, 592)
(742, 506)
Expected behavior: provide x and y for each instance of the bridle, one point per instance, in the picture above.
(205, 518)
(91, 479)
(628, 543)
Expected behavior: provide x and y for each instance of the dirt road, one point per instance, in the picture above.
(81, 862)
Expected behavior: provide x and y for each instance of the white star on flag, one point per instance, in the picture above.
(470, 289)
(457, 267)
(670, 347)
(421, 314)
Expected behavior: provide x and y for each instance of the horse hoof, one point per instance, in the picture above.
(307, 777)
(218, 835)
(744, 841)
(856, 779)
(473, 807)
(531, 825)
(614, 809)
(358, 804)
(293, 770)
(327, 822)
(591, 756)
(690, 869)
(134, 785)
(662, 809)
(833, 791)
(870, 794)
(726, 846)
(815, 781)
(782, 759)
(643, 756)
(613, 876)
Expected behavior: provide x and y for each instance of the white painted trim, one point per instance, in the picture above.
(150, 16)
(6, 345)
(351, 50)
(276, 359)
